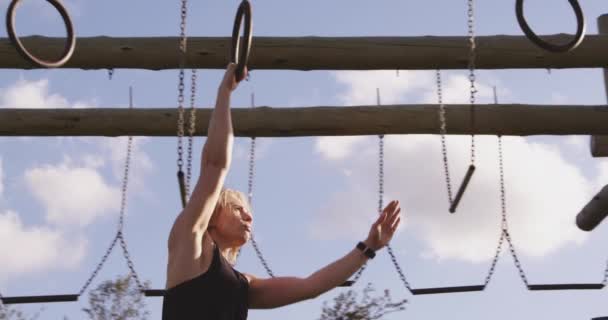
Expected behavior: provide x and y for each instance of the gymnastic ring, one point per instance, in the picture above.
(70, 45)
(239, 53)
(578, 38)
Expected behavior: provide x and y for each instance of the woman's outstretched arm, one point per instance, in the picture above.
(280, 291)
(215, 162)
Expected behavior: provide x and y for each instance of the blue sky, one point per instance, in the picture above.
(314, 197)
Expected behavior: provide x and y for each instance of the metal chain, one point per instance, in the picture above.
(191, 130)
(495, 260)
(605, 280)
(504, 224)
(381, 204)
(472, 58)
(99, 265)
(180, 86)
(123, 204)
(125, 252)
(119, 231)
(251, 176)
(443, 131)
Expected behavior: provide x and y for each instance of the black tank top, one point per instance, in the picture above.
(221, 293)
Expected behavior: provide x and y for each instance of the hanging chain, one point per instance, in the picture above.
(258, 252)
(99, 265)
(180, 86)
(123, 205)
(605, 280)
(191, 130)
(381, 204)
(472, 58)
(443, 131)
(504, 224)
(119, 232)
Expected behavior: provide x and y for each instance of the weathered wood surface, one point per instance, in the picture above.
(517, 120)
(599, 144)
(314, 53)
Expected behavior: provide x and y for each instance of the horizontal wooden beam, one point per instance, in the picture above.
(314, 53)
(599, 144)
(493, 119)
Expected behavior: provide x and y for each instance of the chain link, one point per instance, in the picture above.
(443, 131)
(472, 58)
(495, 260)
(180, 86)
(99, 265)
(605, 280)
(381, 204)
(125, 252)
(191, 130)
(251, 176)
(504, 223)
(119, 232)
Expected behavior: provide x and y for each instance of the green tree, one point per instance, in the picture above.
(120, 299)
(346, 307)
(10, 313)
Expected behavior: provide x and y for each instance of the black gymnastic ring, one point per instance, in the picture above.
(70, 45)
(238, 56)
(578, 38)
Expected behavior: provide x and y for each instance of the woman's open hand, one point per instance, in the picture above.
(384, 228)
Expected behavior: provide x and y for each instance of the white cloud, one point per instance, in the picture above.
(535, 176)
(455, 90)
(361, 85)
(140, 166)
(33, 94)
(544, 192)
(337, 148)
(72, 194)
(41, 249)
(579, 143)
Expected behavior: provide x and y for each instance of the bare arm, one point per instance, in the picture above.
(280, 291)
(215, 162)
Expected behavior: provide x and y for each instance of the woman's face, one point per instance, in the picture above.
(233, 224)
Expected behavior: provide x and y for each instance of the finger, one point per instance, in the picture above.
(393, 210)
(380, 219)
(389, 207)
(395, 223)
(392, 217)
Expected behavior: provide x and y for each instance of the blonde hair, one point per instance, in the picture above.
(228, 198)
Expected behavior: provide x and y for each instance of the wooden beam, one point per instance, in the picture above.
(599, 144)
(314, 53)
(518, 120)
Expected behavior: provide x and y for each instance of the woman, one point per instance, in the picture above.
(204, 240)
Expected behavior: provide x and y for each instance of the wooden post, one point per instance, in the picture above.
(314, 53)
(599, 144)
(492, 119)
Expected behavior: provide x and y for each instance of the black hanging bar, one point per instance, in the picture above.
(40, 299)
(447, 290)
(348, 283)
(463, 187)
(566, 286)
(594, 212)
(161, 293)
(154, 293)
(182, 187)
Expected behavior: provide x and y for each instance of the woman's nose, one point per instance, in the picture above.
(246, 216)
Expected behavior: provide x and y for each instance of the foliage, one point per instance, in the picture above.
(346, 307)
